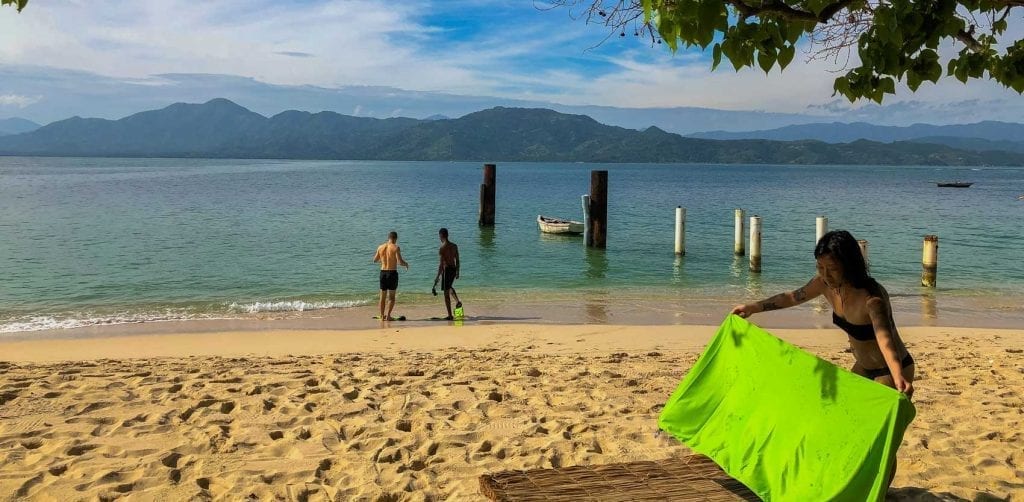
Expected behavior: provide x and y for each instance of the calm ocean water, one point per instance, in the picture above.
(96, 241)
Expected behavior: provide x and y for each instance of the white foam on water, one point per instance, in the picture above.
(45, 322)
(81, 320)
(292, 306)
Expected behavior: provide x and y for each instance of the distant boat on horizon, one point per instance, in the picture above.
(954, 184)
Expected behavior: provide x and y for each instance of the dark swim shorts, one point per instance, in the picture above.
(389, 280)
(447, 278)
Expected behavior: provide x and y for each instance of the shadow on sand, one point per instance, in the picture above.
(914, 494)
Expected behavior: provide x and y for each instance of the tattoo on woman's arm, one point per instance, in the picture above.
(773, 303)
(800, 295)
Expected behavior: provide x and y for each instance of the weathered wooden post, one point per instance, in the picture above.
(586, 219)
(680, 230)
(930, 260)
(738, 248)
(863, 244)
(755, 243)
(598, 209)
(487, 190)
(820, 228)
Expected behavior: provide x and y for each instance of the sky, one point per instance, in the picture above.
(510, 49)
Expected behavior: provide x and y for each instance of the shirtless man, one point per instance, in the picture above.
(448, 271)
(389, 255)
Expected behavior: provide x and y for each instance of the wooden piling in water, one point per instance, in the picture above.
(598, 209)
(820, 228)
(487, 191)
(680, 230)
(586, 219)
(930, 260)
(738, 247)
(863, 244)
(755, 243)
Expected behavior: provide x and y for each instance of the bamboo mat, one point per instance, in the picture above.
(692, 478)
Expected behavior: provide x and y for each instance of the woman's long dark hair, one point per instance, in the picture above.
(841, 245)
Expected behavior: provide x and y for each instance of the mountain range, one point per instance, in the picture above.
(222, 129)
(16, 125)
(987, 135)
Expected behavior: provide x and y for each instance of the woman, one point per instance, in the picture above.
(860, 306)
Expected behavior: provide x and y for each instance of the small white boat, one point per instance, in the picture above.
(551, 225)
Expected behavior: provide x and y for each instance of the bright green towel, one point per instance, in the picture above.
(788, 425)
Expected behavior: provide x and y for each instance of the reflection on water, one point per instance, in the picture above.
(485, 239)
(929, 312)
(597, 263)
(546, 237)
(597, 310)
(754, 285)
(678, 274)
(738, 266)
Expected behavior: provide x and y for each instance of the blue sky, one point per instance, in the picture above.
(512, 49)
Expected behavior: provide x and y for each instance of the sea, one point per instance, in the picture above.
(101, 241)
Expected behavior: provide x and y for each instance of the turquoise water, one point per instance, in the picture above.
(87, 241)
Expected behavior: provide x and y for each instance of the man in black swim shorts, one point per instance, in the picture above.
(389, 255)
(448, 271)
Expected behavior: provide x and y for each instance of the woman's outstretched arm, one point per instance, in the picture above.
(813, 289)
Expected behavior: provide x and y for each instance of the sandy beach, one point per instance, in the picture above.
(418, 413)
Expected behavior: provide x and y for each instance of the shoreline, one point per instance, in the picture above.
(594, 309)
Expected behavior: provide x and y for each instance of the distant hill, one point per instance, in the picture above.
(976, 144)
(223, 129)
(838, 132)
(16, 125)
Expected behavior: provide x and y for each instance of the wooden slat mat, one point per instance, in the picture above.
(691, 478)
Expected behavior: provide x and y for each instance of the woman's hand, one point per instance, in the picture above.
(746, 310)
(905, 386)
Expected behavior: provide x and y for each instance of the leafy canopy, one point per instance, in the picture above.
(896, 40)
(19, 4)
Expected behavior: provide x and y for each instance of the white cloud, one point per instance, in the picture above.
(356, 41)
(18, 101)
(332, 43)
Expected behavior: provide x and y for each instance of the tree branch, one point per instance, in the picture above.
(776, 7)
(968, 39)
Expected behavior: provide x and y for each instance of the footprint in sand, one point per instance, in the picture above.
(81, 449)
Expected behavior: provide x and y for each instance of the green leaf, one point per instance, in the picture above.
(933, 71)
(961, 72)
(647, 10)
(842, 86)
(794, 30)
(786, 54)
(716, 56)
(765, 60)
(709, 13)
(19, 4)
(913, 80)
(887, 85)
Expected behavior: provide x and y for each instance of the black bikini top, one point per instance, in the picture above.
(862, 332)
